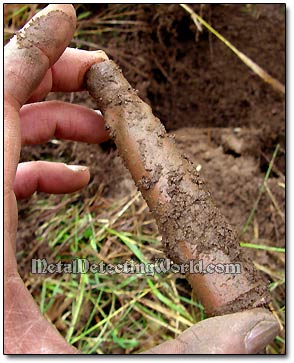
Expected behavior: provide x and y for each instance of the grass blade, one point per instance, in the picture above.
(260, 72)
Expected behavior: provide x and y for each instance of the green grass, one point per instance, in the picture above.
(262, 247)
(101, 313)
(261, 190)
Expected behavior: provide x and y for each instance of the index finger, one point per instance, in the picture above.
(67, 74)
(35, 48)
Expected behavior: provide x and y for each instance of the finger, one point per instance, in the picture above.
(240, 333)
(40, 122)
(49, 177)
(35, 48)
(43, 88)
(68, 73)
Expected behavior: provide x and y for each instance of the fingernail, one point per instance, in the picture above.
(77, 168)
(262, 334)
(102, 55)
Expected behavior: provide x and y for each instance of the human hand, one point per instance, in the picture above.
(37, 61)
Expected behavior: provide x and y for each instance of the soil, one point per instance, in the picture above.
(224, 118)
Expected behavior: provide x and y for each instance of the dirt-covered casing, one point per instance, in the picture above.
(193, 229)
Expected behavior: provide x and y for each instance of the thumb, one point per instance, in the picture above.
(247, 332)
